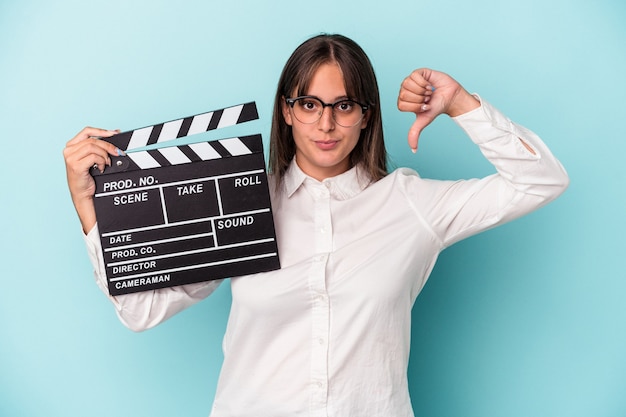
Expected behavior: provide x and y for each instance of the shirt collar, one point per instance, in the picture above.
(342, 187)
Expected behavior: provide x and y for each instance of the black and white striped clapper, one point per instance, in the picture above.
(183, 214)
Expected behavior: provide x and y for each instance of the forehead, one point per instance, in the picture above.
(327, 82)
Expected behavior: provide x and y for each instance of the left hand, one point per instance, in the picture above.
(429, 93)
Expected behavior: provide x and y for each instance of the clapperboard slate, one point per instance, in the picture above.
(183, 214)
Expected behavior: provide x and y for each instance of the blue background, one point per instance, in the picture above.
(525, 320)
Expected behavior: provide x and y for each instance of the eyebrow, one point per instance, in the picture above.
(336, 99)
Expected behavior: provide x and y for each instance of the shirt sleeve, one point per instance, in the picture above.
(143, 310)
(525, 179)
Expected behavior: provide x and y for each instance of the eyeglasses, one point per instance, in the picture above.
(309, 109)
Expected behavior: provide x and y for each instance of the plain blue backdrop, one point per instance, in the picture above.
(525, 320)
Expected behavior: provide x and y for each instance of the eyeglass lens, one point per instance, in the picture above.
(346, 113)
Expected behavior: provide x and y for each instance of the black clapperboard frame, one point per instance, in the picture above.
(184, 214)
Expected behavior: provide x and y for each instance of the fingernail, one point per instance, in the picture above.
(424, 107)
(414, 150)
(120, 152)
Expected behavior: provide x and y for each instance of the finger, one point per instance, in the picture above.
(92, 132)
(421, 121)
(410, 88)
(422, 77)
(414, 106)
(91, 145)
(411, 102)
(414, 135)
(410, 97)
(100, 164)
(93, 161)
(82, 155)
(414, 100)
(419, 76)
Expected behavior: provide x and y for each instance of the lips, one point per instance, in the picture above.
(326, 145)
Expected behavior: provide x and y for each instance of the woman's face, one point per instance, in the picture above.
(323, 148)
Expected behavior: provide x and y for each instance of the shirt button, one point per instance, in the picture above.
(321, 341)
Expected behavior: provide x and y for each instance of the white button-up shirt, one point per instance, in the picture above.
(329, 333)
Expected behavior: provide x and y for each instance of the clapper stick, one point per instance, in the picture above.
(132, 140)
(183, 214)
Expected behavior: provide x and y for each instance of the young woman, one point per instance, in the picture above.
(328, 333)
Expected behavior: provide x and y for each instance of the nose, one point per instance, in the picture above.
(327, 120)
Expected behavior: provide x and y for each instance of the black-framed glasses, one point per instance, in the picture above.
(309, 109)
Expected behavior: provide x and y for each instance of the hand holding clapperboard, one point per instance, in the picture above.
(184, 214)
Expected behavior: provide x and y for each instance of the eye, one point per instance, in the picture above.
(345, 106)
(308, 104)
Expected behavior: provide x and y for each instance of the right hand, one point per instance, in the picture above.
(81, 153)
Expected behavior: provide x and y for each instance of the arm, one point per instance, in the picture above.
(417, 95)
(528, 175)
(138, 311)
(143, 310)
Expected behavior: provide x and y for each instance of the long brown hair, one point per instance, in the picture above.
(360, 82)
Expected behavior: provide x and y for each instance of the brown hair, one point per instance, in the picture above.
(360, 82)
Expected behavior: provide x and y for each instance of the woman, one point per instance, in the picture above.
(328, 333)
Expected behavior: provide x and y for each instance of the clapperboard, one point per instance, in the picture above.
(183, 214)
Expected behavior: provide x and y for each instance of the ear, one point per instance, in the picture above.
(366, 119)
(286, 112)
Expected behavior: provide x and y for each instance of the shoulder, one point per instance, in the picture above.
(405, 172)
(400, 176)
(401, 181)
(413, 186)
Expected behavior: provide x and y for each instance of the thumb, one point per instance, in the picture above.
(421, 121)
